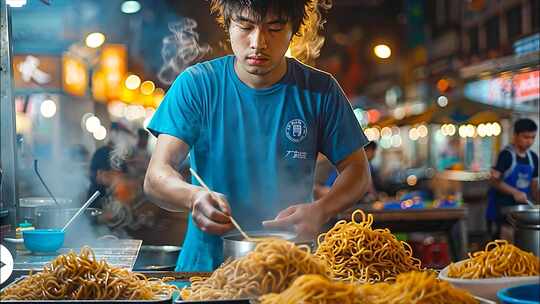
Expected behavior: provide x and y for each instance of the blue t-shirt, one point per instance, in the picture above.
(256, 146)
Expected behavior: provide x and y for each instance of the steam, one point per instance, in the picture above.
(306, 45)
(123, 145)
(181, 49)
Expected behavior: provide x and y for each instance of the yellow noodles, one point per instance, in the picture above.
(355, 251)
(271, 267)
(499, 259)
(77, 277)
(314, 289)
(413, 287)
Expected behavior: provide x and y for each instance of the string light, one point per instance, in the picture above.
(147, 87)
(48, 108)
(100, 133)
(133, 82)
(92, 123)
(442, 101)
(94, 40)
(382, 51)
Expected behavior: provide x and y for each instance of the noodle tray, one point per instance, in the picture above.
(166, 299)
(237, 301)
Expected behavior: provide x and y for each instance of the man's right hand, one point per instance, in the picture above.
(211, 215)
(520, 197)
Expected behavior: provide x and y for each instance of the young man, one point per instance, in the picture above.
(253, 124)
(515, 176)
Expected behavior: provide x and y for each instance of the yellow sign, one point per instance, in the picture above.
(74, 76)
(158, 95)
(127, 95)
(113, 63)
(99, 87)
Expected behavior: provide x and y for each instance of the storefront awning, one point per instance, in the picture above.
(459, 110)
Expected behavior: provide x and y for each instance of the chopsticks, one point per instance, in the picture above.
(199, 179)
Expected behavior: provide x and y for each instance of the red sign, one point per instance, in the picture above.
(527, 86)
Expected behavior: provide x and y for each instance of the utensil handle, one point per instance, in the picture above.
(43, 183)
(199, 179)
(484, 301)
(203, 184)
(88, 202)
(242, 232)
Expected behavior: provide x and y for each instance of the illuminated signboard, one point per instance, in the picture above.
(527, 86)
(99, 87)
(33, 71)
(527, 45)
(505, 91)
(74, 76)
(113, 63)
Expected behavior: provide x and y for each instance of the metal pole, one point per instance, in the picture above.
(8, 157)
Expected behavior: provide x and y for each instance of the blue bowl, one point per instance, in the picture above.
(522, 294)
(43, 240)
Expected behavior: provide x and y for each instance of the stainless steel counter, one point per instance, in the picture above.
(119, 253)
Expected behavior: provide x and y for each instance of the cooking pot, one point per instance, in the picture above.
(235, 246)
(526, 223)
(162, 258)
(28, 207)
(51, 217)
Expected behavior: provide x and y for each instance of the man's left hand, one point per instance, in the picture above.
(307, 219)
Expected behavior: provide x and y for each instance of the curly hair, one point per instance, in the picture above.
(287, 10)
(305, 17)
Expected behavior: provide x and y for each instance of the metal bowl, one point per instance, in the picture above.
(523, 215)
(519, 207)
(235, 246)
(162, 258)
(526, 223)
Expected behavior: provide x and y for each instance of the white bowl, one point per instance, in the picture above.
(486, 288)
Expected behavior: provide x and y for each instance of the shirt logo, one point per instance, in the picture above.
(523, 181)
(291, 154)
(296, 130)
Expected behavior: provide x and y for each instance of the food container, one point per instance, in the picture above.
(523, 294)
(526, 223)
(486, 288)
(43, 240)
(29, 206)
(164, 299)
(235, 246)
(237, 301)
(153, 258)
(50, 217)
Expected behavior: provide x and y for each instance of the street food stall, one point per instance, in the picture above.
(126, 250)
(352, 260)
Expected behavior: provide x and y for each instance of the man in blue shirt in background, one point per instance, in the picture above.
(253, 124)
(514, 178)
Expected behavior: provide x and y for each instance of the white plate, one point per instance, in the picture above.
(486, 288)
(13, 240)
